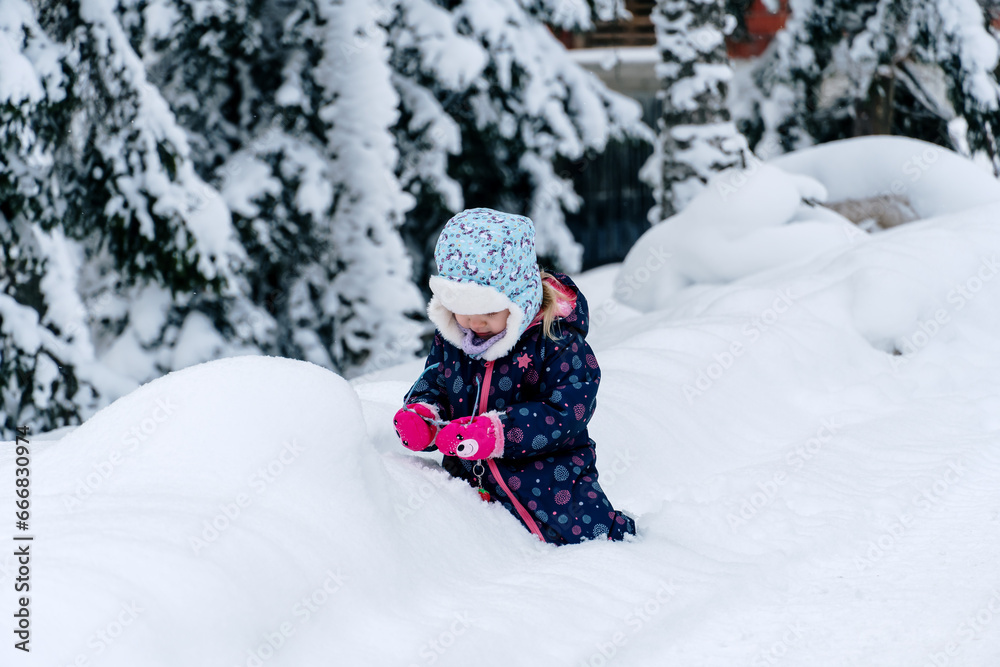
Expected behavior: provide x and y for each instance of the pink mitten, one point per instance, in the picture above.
(413, 430)
(473, 438)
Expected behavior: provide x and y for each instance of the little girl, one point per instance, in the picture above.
(510, 383)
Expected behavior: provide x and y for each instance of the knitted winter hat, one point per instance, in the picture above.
(486, 263)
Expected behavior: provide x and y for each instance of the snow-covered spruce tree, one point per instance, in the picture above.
(961, 44)
(819, 85)
(368, 298)
(124, 162)
(292, 104)
(47, 377)
(430, 60)
(43, 339)
(218, 66)
(209, 61)
(161, 272)
(317, 201)
(492, 102)
(696, 136)
(842, 69)
(99, 203)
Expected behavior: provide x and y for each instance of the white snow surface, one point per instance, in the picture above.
(803, 495)
(933, 179)
(737, 225)
(750, 220)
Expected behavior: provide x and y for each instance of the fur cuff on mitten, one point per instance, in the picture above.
(416, 432)
(473, 438)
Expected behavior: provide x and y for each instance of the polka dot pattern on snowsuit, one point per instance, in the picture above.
(549, 461)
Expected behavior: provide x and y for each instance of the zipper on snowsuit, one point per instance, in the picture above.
(521, 510)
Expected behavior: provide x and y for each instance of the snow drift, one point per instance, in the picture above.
(738, 224)
(812, 454)
(934, 180)
(749, 220)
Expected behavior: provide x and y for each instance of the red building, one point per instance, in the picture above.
(755, 30)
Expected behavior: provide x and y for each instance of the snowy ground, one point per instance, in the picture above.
(804, 495)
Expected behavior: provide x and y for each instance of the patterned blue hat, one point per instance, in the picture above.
(486, 263)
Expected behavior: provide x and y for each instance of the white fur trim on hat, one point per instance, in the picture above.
(467, 298)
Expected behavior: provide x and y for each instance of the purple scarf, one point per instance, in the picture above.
(473, 345)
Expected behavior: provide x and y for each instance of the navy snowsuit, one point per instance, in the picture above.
(545, 392)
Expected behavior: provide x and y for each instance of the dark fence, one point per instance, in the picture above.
(615, 201)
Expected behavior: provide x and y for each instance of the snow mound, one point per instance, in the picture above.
(812, 454)
(804, 495)
(237, 513)
(933, 180)
(743, 222)
(187, 500)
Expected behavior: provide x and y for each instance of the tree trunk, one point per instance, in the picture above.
(875, 114)
(696, 134)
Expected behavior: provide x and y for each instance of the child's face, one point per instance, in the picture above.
(486, 325)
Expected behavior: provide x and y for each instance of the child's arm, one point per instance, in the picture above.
(533, 428)
(429, 387)
(552, 423)
(418, 421)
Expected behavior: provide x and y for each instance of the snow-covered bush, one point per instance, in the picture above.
(919, 68)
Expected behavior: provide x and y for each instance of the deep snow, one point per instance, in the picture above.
(804, 495)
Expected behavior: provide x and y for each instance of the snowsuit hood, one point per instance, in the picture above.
(573, 313)
(486, 263)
